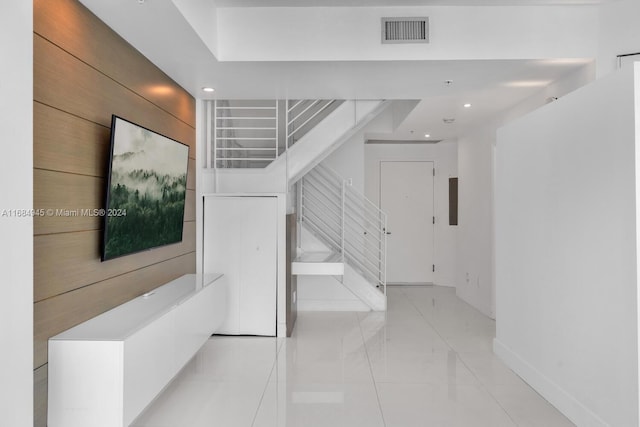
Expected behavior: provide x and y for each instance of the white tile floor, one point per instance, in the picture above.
(426, 362)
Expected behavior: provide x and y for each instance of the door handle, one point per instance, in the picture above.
(387, 232)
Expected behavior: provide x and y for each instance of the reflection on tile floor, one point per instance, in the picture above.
(426, 362)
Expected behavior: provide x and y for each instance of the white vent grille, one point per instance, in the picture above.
(405, 30)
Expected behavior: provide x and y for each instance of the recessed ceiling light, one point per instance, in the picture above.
(467, 105)
(426, 135)
(208, 89)
(528, 83)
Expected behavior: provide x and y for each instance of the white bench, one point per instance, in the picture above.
(105, 372)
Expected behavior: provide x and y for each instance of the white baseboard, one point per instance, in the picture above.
(556, 395)
(331, 305)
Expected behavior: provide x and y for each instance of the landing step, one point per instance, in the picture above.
(318, 264)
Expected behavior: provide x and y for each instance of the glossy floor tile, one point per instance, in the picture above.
(426, 362)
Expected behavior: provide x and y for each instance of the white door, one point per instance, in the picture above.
(406, 195)
(240, 241)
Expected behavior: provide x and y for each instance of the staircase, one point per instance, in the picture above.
(351, 228)
(266, 146)
(274, 146)
(251, 134)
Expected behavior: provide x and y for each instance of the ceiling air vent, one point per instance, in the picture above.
(405, 30)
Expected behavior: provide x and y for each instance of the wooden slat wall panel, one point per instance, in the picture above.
(72, 260)
(68, 23)
(57, 192)
(84, 73)
(40, 383)
(67, 143)
(190, 206)
(63, 142)
(93, 96)
(54, 315)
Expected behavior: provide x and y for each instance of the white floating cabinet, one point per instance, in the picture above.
(105, 371)
(240, 239)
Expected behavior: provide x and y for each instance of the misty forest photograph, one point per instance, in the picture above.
(147, 188)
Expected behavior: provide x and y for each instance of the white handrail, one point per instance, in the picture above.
(347, 221)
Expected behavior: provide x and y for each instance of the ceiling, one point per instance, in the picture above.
(490, 86)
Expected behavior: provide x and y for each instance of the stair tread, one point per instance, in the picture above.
(318, 263)
(319, 257)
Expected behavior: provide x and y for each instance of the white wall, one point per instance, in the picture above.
(444, 156)
(348, 161)
(16, 251)
(619, 33)
(474, 269)
(475, 264)
(566, 266)
(353, 33)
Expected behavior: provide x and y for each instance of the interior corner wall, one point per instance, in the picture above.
(618, 33)
(474, 264)
(83, 72)
(202, 15)
(16, 195)
(566, 263)
(444, 155)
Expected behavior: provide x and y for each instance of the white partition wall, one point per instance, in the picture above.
(566, 244)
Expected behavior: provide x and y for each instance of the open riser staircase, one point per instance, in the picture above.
(353, 230)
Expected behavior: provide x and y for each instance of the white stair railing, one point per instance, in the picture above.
(248, 133)
(304, 114)
(346, 221)
(245, 133)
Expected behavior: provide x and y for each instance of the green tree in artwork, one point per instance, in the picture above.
(151, 219)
